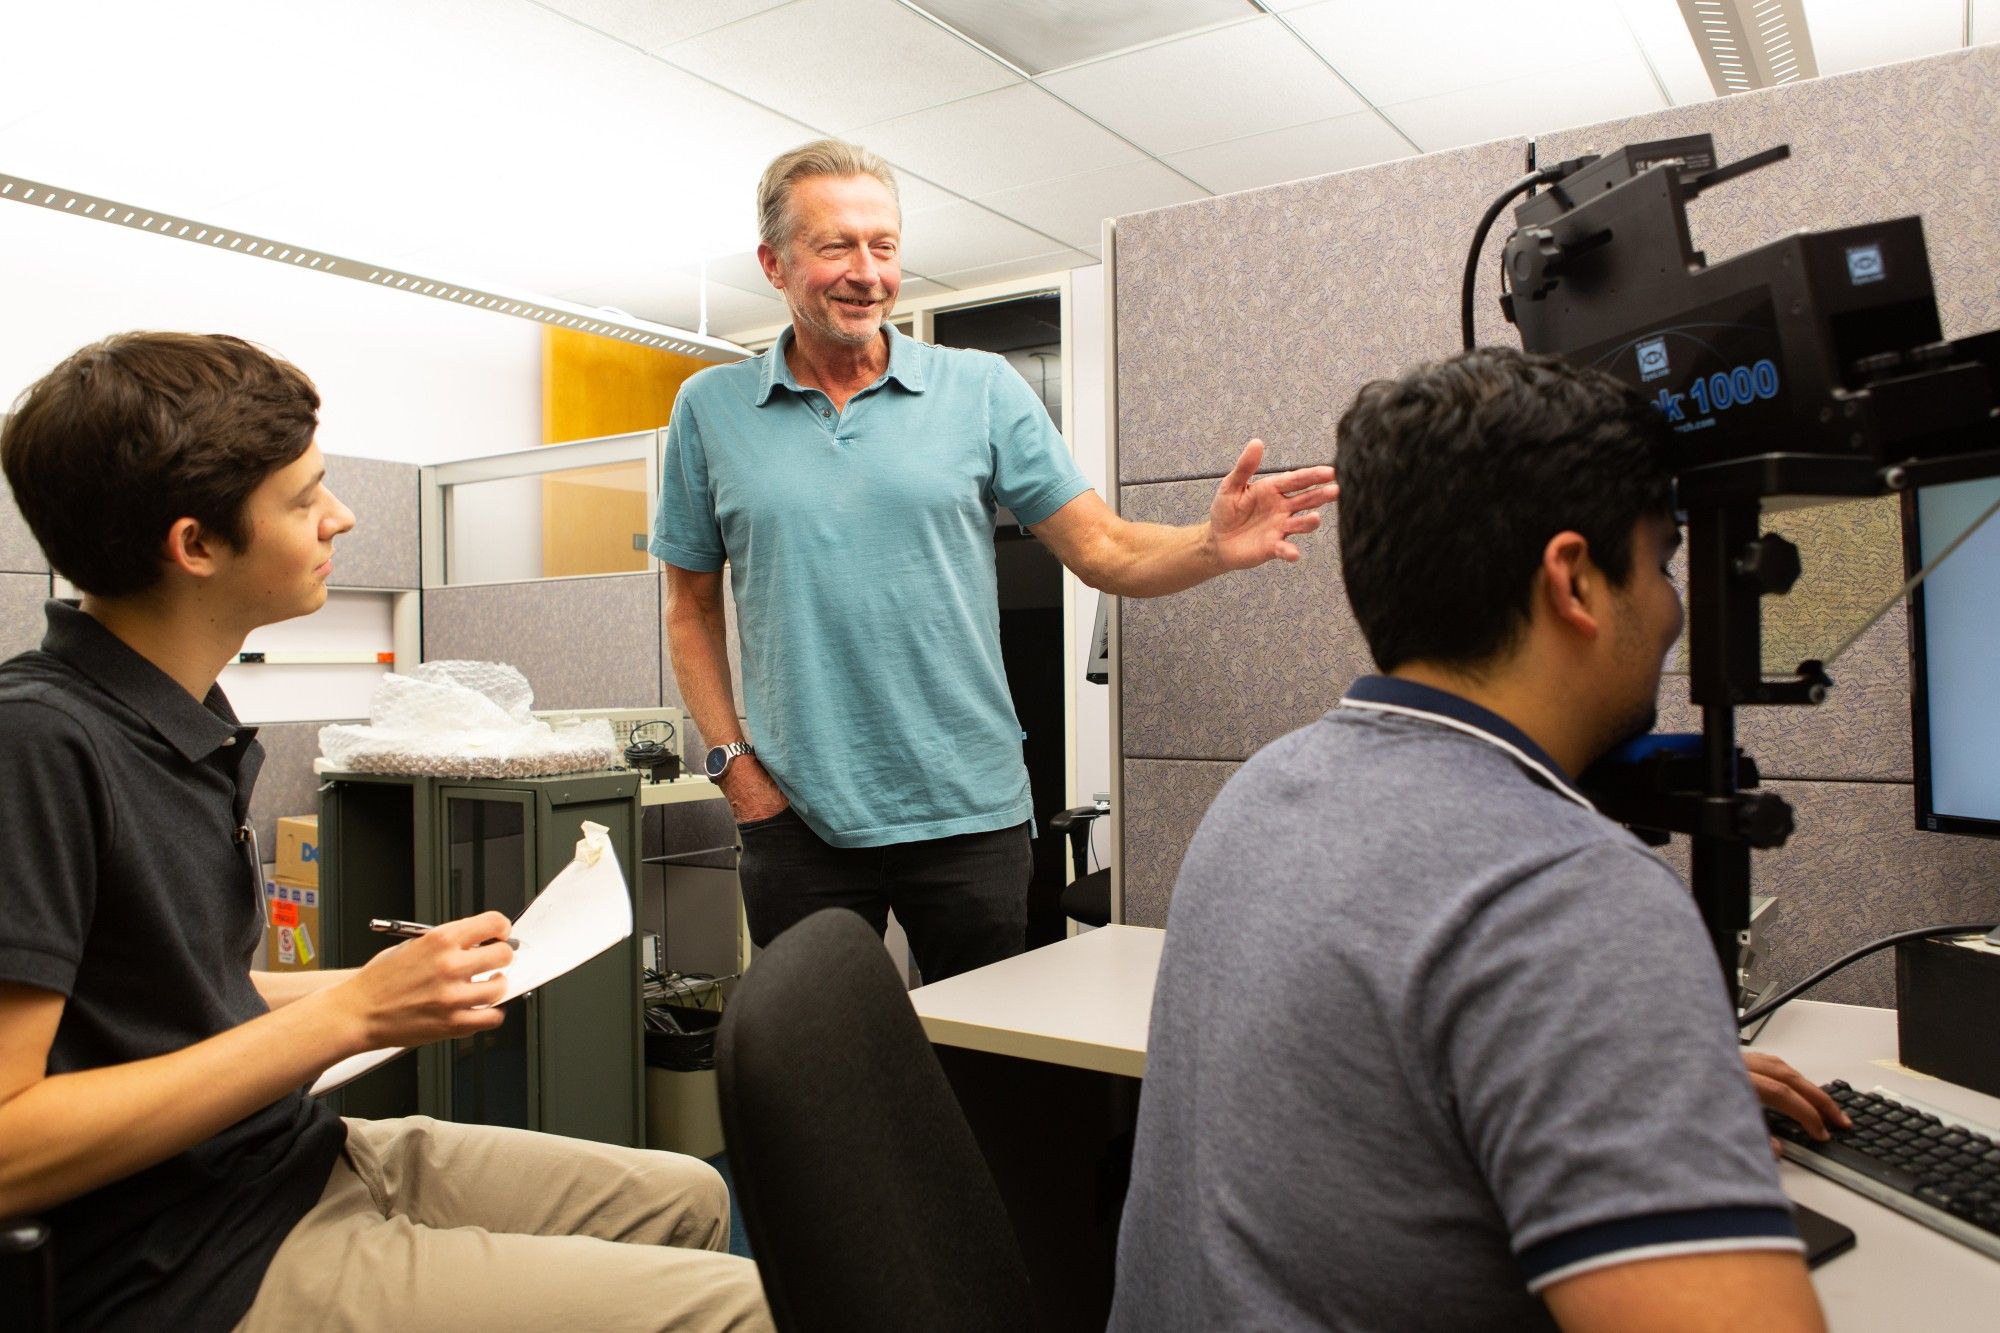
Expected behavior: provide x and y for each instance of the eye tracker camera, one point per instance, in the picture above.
(1809, 370)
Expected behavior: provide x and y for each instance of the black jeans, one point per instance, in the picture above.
(963, 900)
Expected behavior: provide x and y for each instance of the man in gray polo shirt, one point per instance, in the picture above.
(1435, 1044)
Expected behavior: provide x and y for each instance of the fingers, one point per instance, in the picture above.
(467, 932)
(1301, 479)
(1786, 1101)
(1246, 464)
(1778, 1075)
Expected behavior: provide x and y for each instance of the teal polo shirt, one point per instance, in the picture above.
(860, 550)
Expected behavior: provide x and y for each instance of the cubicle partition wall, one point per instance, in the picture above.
(1262, 313)
(24, 578)
(379, 555)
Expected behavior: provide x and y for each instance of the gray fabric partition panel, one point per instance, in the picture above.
(20, 553)
(383, 551)
(1260, 314)
(1165, 800)
(286, 785)
(1857, 869)
(582, 643)
(1229, 666)
(1862, 731)
(21, 621)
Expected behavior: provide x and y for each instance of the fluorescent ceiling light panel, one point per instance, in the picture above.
(546, 310)
(1748, 44)
(1036, 36)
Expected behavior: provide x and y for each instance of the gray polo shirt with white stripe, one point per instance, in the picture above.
(1430, 1034)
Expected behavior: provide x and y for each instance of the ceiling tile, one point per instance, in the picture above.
(836, 64)
(653, 25)
(1253, 77)
(917, 288)
(673, 297)
(1326, 146)
(741, 270)
(1530, 104)
(962, 235)
(1394, 53)
(1663, 37)
(1073, 209)
(1034, 266)
(998, 140)
(1041, 35)
(1855, 34)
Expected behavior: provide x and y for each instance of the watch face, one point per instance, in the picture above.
(718, 759)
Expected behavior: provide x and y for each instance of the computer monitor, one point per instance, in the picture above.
(1954, 658)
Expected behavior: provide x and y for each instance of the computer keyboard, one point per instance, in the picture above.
(1942, 1175)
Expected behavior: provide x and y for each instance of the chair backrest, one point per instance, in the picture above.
(867, 1201)
(27, 1277)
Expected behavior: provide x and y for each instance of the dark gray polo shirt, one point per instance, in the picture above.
(125, 887)
(1430, 1035)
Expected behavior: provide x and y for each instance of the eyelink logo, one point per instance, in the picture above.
(1864, 264)
(1652, 356)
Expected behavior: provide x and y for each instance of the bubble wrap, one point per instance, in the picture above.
(465, 720)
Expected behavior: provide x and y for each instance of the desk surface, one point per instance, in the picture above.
(1899, 1274)
(687, 787)
(1086, 1001)
(1083, 1002)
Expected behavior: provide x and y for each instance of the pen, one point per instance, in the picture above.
(409, 930)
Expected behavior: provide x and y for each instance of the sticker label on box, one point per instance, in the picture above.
(285, 914)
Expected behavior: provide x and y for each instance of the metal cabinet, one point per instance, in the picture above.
(568, 1058)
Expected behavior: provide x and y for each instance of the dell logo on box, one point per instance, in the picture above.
(1864, 264)
(1652, 356)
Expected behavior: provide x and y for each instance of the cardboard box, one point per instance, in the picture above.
(298, 850)
(291, 932)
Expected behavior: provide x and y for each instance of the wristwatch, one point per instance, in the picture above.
(722, 756)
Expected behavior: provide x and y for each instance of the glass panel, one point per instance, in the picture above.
(559, 524)
(486, 866)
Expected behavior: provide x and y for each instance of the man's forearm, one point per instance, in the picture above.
(1151, 559)
(281, 988)
(67, 1134)
(698, 645)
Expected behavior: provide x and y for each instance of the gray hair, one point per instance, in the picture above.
(776, 221)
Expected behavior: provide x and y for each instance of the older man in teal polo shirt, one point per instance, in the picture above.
(849, 478)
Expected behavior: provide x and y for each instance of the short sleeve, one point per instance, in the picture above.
(1589, 1057)
(685, 531)
(1033, 473)
(54, 810)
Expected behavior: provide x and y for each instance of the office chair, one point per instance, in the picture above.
(27, 1276)
(866, 1199)
(1086, 898)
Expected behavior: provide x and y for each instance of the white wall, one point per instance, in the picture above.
(400, 377)
(1085, 418)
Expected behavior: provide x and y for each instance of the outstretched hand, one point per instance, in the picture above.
(1253, 519)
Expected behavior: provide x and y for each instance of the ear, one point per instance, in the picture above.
(191, 548)
(1569, 583)
(774, 270)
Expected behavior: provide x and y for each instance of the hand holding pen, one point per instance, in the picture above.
(443, 981)
(409, 930)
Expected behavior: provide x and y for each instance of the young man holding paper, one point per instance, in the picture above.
(152, 1103)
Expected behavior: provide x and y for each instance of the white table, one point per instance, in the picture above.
(1084, 1003)
(1899, 1275)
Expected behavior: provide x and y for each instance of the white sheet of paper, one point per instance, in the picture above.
(584, 911)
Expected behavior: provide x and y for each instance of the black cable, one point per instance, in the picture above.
(1793, 991)
(1493, 210)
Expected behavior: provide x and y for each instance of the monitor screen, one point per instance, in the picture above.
(1954, 659)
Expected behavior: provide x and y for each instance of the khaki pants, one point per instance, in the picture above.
(427, 1225)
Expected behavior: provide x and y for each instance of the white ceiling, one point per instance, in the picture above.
(605, 151)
